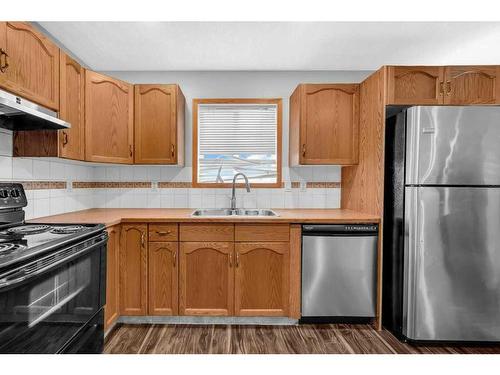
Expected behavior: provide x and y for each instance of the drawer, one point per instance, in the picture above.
(262, 232)
(201, 232)
(163, 232)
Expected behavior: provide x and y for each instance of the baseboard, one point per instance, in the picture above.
(233, 320)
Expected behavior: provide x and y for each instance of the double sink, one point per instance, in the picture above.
(234, 212)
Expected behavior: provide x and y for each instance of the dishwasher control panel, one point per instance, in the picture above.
(340, 228)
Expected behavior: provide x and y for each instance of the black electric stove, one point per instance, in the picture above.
(52, 282)
(20, 243)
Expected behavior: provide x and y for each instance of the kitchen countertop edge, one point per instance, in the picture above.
(114, 216)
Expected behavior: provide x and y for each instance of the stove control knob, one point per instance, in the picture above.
(4, 194)
(15, 193)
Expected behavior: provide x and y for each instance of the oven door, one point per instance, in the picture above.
(46, 303)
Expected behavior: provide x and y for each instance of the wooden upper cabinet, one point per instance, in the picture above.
(109, 119)
(472, 85)
(33, 64)
(159, 124)
(112, 309)
(206, 278)
(163, 285)
(72, 100)
(324, 124)
(134, 269)
(261, 285)
(415, 85)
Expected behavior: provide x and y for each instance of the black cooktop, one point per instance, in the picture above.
(21, 242)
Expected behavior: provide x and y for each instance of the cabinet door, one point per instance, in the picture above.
(109, 121)
(206, 278)
(111, 312)
(329, 124)
(262, 279)
(472, 85)
(33, 64)
(133, 270)
(415, 85)
(163, 274)
(155, 124)
(72, 100)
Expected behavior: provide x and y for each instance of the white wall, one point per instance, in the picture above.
(224, 84)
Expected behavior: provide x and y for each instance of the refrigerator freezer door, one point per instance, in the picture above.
(452, 264)
(453, 145)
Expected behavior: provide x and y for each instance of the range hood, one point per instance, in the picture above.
(20, 114)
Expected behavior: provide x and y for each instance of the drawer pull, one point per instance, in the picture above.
(163, 233)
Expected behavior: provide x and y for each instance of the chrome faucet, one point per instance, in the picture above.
(233, 196)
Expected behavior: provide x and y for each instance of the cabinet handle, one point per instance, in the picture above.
(162, 233)
(175, 258)
(142, 239)
(5, 65)
(237, 259)
(65, 138)
(441, 88)
(304, 150)
(130, 150)
(172, 148)
(230, 260)
(448, 88)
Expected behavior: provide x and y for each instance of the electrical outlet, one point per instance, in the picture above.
(288, 185)
(154, 185)
(303, 185)
(69, 185)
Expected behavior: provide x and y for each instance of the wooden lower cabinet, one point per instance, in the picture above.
(133, 269)
(111, 311)
(163, 278)
(206, 278)
(261, 285)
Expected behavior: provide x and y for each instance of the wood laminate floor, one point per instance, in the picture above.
(240, 339)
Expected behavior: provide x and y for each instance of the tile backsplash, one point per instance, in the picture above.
(62, 186)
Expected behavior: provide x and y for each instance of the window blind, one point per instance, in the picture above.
(236, 138)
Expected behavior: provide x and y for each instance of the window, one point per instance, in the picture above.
(236, 135)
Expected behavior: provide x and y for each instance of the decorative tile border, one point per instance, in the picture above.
(174, 185)
(177, 185)
(111, 185)
(42, 185)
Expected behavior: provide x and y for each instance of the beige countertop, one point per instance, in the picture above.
(113, 216)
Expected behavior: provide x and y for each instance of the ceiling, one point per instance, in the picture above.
(173, 46)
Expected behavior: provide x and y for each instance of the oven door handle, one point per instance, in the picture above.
(10, 278)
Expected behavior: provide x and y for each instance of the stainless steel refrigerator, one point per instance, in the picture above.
(442, 223)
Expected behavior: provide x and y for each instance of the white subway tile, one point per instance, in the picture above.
(5, 168)
(166, 201)
(41, 207)
(22, 168)
(6, 143)
(58, 171)
(154, 200)
(41, 170)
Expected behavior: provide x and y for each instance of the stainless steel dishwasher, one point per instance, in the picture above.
(339, 272)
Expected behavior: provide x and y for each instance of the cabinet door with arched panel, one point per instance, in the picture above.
(109, 119)
(163, 278)
(206, 278)
(415, 85)
(29, 64)
(134, 269)
(472, 85)
(324, 124)
(261, 285)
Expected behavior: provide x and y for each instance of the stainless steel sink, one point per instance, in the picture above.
(235, 212)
